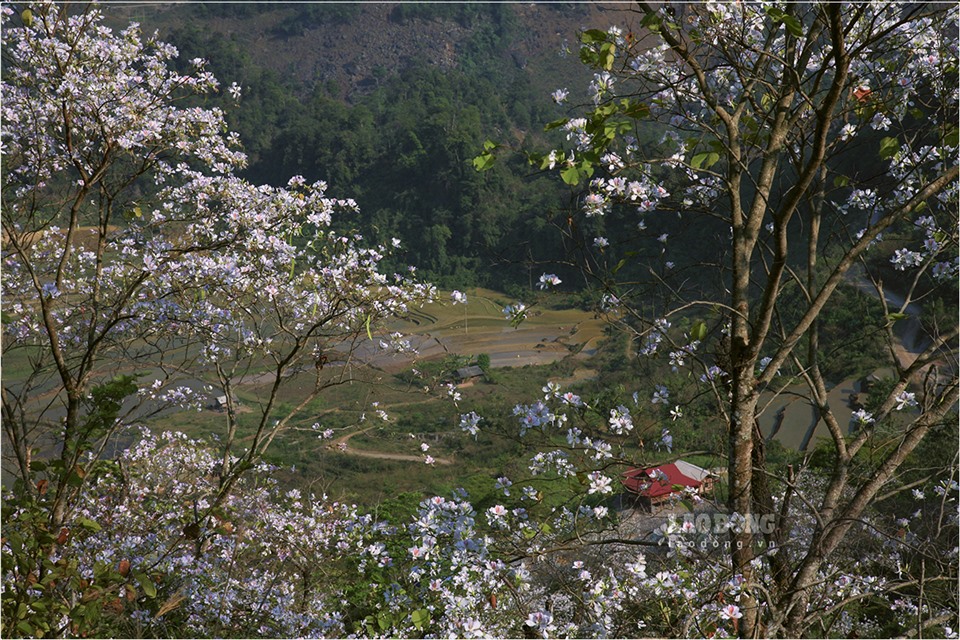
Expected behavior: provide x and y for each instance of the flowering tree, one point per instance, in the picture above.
(742, 118)
(137, 267)
(132, 253)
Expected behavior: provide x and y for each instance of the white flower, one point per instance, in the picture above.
(731, 612)
(906, 399)
(904, 258)
(560, 96)
(469, 422)
(549, 280)
(458, 297)
(599, 483)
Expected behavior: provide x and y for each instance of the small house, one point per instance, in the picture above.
(220, 403)
(652, 486)
(463, 374)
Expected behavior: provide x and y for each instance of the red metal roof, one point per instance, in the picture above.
(657, 481)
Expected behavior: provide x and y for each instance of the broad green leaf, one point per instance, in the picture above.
(27, 16)
(793, 26)
(484, 161)
(571, 176)
(146, 584)
(704, 160)
(608, 53)
(841, 181)
(651, 22)
(952, 139)
(774, 13)
(556, 124)
(889, 148)
(489, 145)
(593, 35)
(636, 110)
(588, 56)
(384, 620)
(421, 618)
(699, 330)
(894, 317)
(88, 524)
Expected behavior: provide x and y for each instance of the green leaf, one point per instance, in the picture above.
(636, 110)
(775, 14)
(571, 176)
(793, 26)
(593, 35)
(952, 139)
(894, 317)
(384, 620)
(841, 181)
(489, 145)
(421, 618)
(89, 525)
(483, 162)
(146, 584)
(556, 124)
(366, 324)
(699, 330)
(27, 16)
(651, 22)
(704, 160)
(608, 53)
(889, 148)
(589, 57)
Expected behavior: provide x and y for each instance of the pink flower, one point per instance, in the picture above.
(731, 612)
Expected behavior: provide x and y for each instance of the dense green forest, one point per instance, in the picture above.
(403, 144)
(401, 140)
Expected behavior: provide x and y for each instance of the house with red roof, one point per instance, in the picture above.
(652, 486)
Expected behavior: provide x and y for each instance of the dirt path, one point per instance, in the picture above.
(341, 444)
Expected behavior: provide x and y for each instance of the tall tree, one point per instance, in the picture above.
(137, 266)
(798, 134)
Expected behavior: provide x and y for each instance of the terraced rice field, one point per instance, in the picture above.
(547, 335)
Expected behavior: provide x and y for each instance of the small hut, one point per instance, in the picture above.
(652, 486)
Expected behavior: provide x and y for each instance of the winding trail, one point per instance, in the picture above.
(382, 455)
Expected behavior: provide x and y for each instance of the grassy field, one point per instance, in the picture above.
(384, 458)
(370, 460)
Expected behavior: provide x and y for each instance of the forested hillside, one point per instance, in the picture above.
(390, 103)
